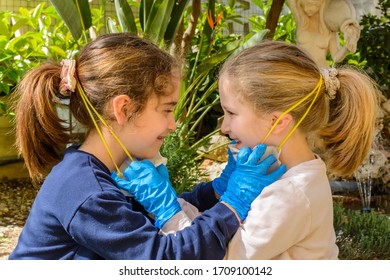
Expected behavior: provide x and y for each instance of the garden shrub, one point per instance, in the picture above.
(361, 236)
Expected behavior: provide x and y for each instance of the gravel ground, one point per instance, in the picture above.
(16, 198)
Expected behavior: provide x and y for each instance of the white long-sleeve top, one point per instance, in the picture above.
(291, 219)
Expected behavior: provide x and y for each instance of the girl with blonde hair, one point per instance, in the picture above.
(274, 93)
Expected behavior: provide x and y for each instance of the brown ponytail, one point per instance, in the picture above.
(40, 133)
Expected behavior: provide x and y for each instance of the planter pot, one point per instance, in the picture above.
(7, 140)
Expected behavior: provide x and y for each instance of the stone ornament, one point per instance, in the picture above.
(318, 25)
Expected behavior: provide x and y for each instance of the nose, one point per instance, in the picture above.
(225, 129)
(172, 123)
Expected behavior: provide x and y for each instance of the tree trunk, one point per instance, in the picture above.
(183, 39)
(273, 17)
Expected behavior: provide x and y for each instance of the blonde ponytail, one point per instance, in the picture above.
(349, 133)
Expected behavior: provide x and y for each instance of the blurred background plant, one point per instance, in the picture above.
(374, 45)
(361, 236)
(373, 52)
(27, 38)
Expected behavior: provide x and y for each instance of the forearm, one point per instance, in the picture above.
(216, 226)
(202, 196)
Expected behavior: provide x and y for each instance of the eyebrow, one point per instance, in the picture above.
(172, 103)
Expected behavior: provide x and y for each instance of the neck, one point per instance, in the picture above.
(296, 151)
(93, 144)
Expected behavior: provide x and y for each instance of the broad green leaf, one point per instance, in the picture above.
(111, 26)
(13, 76)
(158, 19)
(176, 17)
(4, 57)
(76, 17)
(3, 88)
(38, 11)
(19, 23)
(24, 12)
(57, 50)
(84, 12)
(125, 16)
(144, 10)
(210, 62)
(4, 29)
(255, 39)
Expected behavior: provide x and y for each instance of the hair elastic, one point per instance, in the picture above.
(68, 79)
(332, 83)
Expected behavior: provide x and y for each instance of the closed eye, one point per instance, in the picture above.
(229, 113)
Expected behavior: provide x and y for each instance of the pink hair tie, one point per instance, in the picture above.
(68, 79)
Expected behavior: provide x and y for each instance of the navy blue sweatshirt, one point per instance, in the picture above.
(80, 213)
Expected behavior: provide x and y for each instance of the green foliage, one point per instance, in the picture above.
(286, 27)
(183, 167)
(30, 37)
(76, 14)
(361, 236)
(26, 39)
(374, 45)
(373, 53)
(158, 19)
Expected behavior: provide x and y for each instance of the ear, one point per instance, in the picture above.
(121, 106)
(283, 122)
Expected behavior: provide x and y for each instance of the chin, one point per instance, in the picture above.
(149, 155)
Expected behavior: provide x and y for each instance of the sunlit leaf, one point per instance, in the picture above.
(125, 16)
(76, 17)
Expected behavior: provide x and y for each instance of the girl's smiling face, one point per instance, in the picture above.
(240, 120)
(146, 132)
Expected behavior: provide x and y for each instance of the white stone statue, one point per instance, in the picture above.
(318, 25)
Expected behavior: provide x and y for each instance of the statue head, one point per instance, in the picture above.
(310, 7)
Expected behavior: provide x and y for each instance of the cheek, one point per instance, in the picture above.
(251, 133)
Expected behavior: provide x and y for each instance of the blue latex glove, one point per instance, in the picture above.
(220, 184)
(151, 188)
(250, 178)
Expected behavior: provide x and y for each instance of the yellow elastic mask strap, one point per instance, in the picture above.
(90, 107)
(316, 90)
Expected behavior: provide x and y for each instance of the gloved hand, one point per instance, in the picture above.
(250, 178)
(151, 188)
(220, 184)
